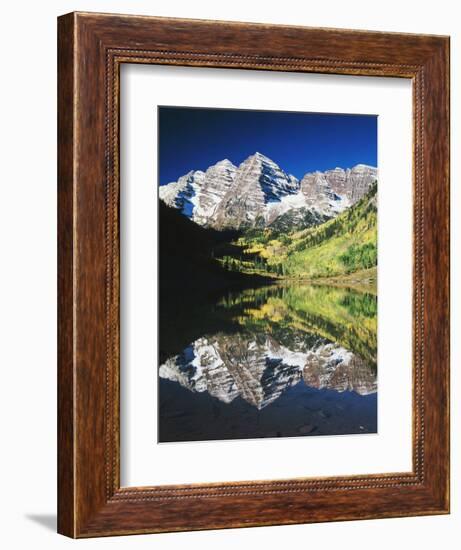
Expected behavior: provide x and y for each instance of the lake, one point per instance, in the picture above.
(275, 361)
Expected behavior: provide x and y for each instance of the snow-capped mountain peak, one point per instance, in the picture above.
(258, 192)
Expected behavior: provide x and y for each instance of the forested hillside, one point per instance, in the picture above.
(341, 246)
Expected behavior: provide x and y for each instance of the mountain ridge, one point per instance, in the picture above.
(258, 192)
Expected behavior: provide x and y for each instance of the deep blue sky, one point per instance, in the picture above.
(196, 138)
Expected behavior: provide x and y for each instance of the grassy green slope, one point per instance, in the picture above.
(343, 245)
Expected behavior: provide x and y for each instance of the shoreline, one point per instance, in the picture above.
(363, 281)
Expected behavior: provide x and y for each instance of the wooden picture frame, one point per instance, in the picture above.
(92, 48)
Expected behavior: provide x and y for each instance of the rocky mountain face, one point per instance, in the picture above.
(259, 193)
(259, 369)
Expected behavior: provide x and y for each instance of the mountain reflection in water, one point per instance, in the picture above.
(310, 351)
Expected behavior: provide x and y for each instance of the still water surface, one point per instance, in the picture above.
(276, 361)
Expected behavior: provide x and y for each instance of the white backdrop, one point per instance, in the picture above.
(145, 462)
(28, 289)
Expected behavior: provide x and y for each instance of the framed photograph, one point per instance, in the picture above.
(253, 275)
